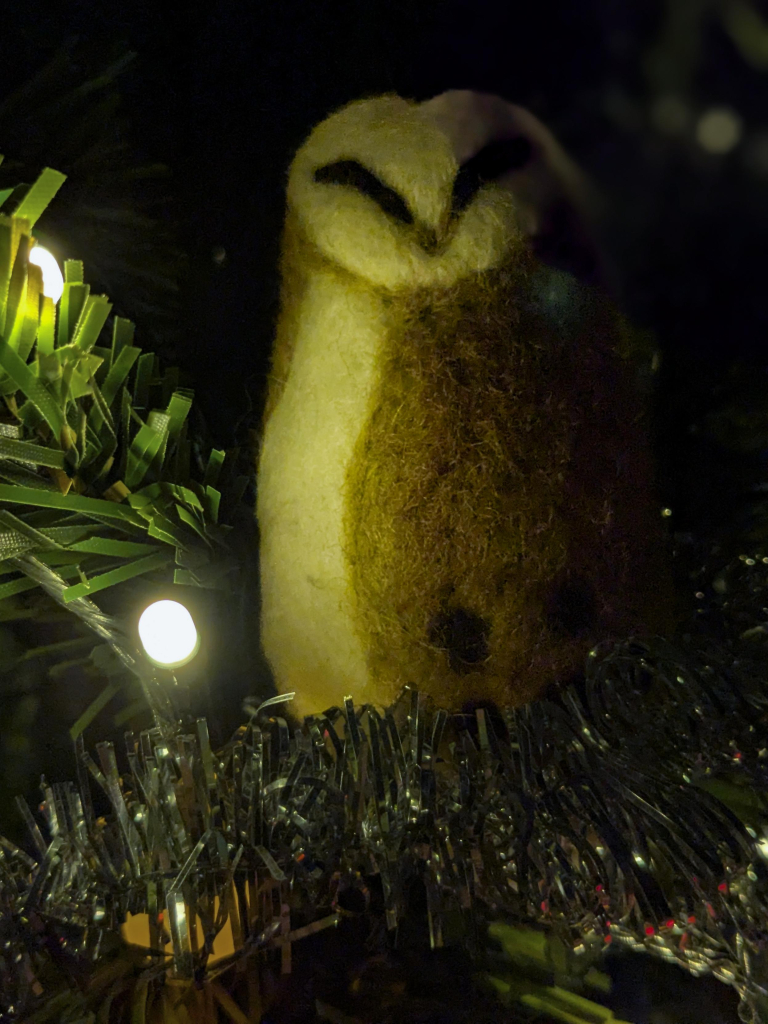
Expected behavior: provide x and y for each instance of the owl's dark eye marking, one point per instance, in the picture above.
(491, 162)
(354, 175)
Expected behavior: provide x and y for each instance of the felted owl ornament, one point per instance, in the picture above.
(454, 482)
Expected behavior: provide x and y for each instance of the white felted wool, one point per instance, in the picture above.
(393, 299)
(307, 612)
(407, 151)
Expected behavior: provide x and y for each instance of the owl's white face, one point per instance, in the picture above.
(377, 189)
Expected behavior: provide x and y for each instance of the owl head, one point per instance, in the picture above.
(377, 189)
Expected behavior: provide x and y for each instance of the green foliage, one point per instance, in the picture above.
(94, 453)
(96, 481)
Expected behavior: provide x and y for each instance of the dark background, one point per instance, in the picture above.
(223, 94)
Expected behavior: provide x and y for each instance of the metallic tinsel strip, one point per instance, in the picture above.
(584, 814)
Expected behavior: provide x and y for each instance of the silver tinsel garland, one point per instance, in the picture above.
(587, 813)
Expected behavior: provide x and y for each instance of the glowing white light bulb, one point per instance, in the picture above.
(168, 634)
(53, 280)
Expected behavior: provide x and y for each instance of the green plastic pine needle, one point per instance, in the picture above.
(40, 195)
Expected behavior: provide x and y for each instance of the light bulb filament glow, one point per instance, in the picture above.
(168, 634)
(53, 280)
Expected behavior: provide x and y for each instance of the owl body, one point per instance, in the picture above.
(454, 491)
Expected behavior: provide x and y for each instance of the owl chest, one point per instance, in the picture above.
(336, 339)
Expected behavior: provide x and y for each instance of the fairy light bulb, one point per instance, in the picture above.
(53, 279)
(168, 634)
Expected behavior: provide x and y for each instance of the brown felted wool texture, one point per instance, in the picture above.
(500, 511)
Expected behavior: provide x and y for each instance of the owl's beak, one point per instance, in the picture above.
(427, 239)
(432, 240)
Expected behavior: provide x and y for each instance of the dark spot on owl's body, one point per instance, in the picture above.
(494, 160)
(463, 636)
(572, 608)
(354, 175)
